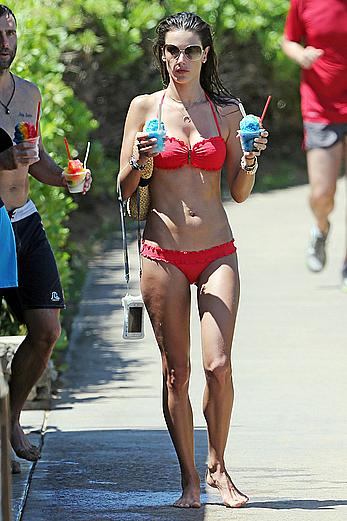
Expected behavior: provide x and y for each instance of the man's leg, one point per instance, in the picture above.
(344, 268)
(28, 364)
(323, 169)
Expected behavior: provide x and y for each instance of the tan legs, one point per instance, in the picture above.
(323, 166)
(323, 170)
(28, 364)
(218, 304)
(166, 293)
(345, 161)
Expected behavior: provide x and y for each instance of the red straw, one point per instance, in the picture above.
(67, 148)
(37, 119)
(265, 109)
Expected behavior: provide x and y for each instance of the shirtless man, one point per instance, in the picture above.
(39, 298)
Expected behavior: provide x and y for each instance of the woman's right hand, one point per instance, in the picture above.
(145, 146)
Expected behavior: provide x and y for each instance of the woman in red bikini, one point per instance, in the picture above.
(187, 238)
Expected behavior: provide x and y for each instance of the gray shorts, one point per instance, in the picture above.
(321, 135)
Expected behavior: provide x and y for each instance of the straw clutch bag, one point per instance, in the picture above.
(137, 205)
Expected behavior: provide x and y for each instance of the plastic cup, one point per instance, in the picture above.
(247, 139)
(249, 130)
(75, 182)
(151, 128)
(34, 142)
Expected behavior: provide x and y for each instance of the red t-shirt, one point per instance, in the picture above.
(322, 24)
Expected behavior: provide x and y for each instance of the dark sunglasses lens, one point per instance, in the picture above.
(193, 52)
(173, 50)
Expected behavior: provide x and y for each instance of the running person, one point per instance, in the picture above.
(315, 37)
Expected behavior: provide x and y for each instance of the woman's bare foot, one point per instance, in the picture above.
(191, 494)
(221, 480)
(22, 446)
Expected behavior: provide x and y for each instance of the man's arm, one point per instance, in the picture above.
(16, 156)
(304, 56)
(294, 38)
(47, 171)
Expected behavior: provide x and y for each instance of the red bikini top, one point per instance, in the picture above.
(207, 154)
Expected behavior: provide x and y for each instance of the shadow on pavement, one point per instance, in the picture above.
(118, 474)
(301, 504)
(95, 358)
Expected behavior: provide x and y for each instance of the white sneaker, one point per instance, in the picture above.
(344, 277)
(316, 255)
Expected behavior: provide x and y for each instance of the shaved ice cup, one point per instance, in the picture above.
(35, 144)
(75, 182)
(152, 129)
(249, 129)
(247, 139)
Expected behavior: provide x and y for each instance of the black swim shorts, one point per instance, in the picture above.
(321, 135)
(39, 284)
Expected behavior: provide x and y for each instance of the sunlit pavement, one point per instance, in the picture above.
(106, 451)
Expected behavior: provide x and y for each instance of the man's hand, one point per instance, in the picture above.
(87, 182)
(23, 154)
(309, 56)
(63, 180)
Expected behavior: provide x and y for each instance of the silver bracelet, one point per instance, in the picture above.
(249, 169)
(135, 165)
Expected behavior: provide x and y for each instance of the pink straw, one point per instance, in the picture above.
(265, 109)
(67, 148)
(37, 119)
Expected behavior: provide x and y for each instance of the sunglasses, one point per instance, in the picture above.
(192, 52)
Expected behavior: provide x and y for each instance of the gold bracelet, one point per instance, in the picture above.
(249, 169)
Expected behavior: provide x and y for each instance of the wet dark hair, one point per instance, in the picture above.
(6, 10)
(209, 78)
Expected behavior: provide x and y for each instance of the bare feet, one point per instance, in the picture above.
(191, 494)
(231, 496)
(22, 446)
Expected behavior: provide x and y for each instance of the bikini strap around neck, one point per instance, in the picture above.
(161, 102)
(212, 108)
(214, 115)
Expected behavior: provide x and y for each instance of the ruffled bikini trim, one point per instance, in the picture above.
(199, 143)
(195, 147)
(186, 257)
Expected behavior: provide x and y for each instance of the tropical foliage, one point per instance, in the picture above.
(89, 58)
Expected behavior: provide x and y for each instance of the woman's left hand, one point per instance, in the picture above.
(259, 145)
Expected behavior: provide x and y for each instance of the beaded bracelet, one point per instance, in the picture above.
(249, 169)
(135, 165)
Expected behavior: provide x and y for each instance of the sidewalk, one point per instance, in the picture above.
(107, 455)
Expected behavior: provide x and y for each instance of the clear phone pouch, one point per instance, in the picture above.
(133, 321)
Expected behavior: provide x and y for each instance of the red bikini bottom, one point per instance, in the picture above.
(191, 263)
